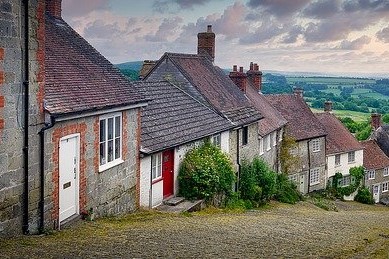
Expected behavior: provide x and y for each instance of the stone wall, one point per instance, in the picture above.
(109, 192)
(12, 113)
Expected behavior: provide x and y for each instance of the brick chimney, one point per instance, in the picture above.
(255, 76)
(54, 8)
(375, 120)
(239, 78)
(206, 43)
(298, 91)
(328, 106)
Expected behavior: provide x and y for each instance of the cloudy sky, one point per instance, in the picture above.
(328, 36)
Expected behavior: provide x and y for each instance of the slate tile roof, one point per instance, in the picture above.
(339, 139)
(214, 86)
(77, 77)
(173, 117)
(302, 123)
(272, 120)
(373, 156)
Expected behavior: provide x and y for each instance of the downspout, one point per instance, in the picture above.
(26, 83)
(277, 151)
(309, 166)
(151, 183)
(237, 160)
(42, 173)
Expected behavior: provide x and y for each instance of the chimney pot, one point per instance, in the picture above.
(241, 69)
(328, 106)
(209, 28)
(375, 120)
(234, 68)
(251, 66)
(298, 91)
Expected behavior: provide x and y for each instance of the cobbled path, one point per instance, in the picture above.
(282, 231)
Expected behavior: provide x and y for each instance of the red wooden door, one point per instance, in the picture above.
(168, 173)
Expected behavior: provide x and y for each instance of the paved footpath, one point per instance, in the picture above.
(282, 231)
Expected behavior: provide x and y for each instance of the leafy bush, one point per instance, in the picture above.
(287, 190)
(364, 196)
(206, 172)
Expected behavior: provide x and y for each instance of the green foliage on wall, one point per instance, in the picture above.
(288, 160)
(356, 173)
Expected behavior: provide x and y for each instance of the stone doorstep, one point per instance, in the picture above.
(174, 201)
(71, 221)
(188, 206)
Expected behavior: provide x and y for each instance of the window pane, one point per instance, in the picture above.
(110, 150)
(102, 154)
(110, 128)
(102, 130)
(117, 126)
(117, 148)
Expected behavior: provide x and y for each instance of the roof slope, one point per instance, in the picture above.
(381, 135)
(272, 120)
(339, 139)
(373, 156)
(302, 123)
(77, 77)
(215, 86)
(173, 117)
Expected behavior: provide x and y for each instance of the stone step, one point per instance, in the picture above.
(174, 201)
(188, 206)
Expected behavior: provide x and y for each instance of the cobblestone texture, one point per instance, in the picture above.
(298, 231)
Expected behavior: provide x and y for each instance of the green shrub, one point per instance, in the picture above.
(265, 177)
(206, 172)
(287, 190)
(364, 196)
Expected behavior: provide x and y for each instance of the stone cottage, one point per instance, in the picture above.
(305, 129)
(199, 77)
(87, 116)
(172, 123)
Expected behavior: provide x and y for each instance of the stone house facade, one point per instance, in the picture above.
(84, 133)
(305, 129)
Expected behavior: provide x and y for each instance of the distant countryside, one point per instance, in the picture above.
(354, 99)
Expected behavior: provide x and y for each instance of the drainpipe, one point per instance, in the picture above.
(26, 83)
(151, 183)
(309, 166)
(237, 160)
(42, 173)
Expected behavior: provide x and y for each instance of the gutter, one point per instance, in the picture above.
(42, 173)
(26, 83)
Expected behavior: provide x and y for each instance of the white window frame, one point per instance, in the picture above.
(314, 177)
(371, 174)
(216, 140)
(156, 166)
(280, 136)
(315, 145)
(339, 162)
(293, 178)
(274, 138)
(385, 186)
(351, 157)
(345, 181)
(386, 171)
(104, 164)
(268, 142)
(261, 146)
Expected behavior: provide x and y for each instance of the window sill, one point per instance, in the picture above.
(261, 153)
(312, 184)
(268, 149)
(114, 163)
(315, 151)
(371, 179)
(386, 175)
(384, 191)
(157, 180)
(337, 165)
(352, 162)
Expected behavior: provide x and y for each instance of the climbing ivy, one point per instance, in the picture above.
(288, 160)
(356, 173)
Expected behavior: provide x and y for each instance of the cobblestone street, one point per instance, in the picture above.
(297, 231)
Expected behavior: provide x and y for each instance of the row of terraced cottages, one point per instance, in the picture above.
(84, 139)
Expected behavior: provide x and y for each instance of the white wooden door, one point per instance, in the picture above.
(68, 176)
(302, 183)
(376, 193)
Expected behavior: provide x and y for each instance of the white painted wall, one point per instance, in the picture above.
(145, 175)
(344, 166)
(225, 142)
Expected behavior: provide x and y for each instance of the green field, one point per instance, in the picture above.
(356, 116)
(333, 81)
